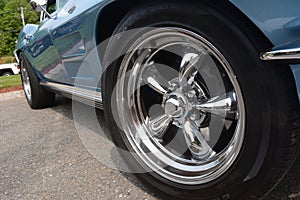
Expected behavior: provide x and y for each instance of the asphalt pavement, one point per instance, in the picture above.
(42, 156)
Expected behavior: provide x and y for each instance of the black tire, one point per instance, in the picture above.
(270, 97)
(36, 96)
(6, 74)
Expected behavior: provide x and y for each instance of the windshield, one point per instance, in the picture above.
(61, 3)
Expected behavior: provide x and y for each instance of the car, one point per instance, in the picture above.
(9, 69)
(201, 97)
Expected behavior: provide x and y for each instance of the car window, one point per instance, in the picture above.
(51, 8)
(54, 5)
(61, 3)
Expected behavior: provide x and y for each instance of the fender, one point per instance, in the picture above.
(25, 35)
(281, 25)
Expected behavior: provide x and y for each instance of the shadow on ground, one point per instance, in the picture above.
(289, 188)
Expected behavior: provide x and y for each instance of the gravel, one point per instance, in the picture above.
(42, 157)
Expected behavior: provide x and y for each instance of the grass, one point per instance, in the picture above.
(10, 81)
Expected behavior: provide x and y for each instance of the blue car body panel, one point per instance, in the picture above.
(70, 36)
(278, 20)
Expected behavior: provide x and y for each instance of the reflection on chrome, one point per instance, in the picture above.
(181, 107)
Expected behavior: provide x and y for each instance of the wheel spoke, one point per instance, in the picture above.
(159, 125)
(155, 80)
(220, 105)
(26, 81)
(188, 64)
(196, 142)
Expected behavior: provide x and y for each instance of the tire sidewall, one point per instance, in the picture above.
(251, 74)
(7, 74)
(40, 98)
(24, 65)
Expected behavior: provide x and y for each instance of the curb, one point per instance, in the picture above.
(11, 95)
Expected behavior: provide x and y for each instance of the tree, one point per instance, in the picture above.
(2, 4)
(11, 23)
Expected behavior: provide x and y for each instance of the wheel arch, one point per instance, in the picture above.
(117, 10)
(6, 70)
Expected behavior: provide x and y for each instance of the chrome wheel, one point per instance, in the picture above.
(25, 81)
(180, 106)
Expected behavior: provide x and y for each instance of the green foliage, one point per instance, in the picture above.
(52, 8)
(2, 4)
(11, 22)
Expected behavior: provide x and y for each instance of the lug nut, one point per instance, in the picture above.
(191, 94)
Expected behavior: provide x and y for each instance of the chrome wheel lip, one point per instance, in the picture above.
(223, 159)
(25, 81)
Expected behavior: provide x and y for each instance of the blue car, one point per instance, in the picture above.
(201, 97)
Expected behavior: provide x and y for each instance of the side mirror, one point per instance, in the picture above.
(39, 6)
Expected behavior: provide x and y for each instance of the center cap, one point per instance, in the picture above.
(175, 106)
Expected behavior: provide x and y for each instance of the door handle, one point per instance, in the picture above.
(71, 10)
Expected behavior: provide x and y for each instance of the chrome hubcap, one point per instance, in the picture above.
(25, 81)
(175, 106)
(180, 105)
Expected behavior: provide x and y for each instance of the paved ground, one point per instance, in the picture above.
(42, 157)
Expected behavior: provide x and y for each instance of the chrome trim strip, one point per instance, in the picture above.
(16, 55)
(92, 98)
(282, 54)
(74, 55)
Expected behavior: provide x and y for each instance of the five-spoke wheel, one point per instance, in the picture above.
(187, 111)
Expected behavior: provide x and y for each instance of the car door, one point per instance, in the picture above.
(73, 37)
(60, 47)
(41, 50)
